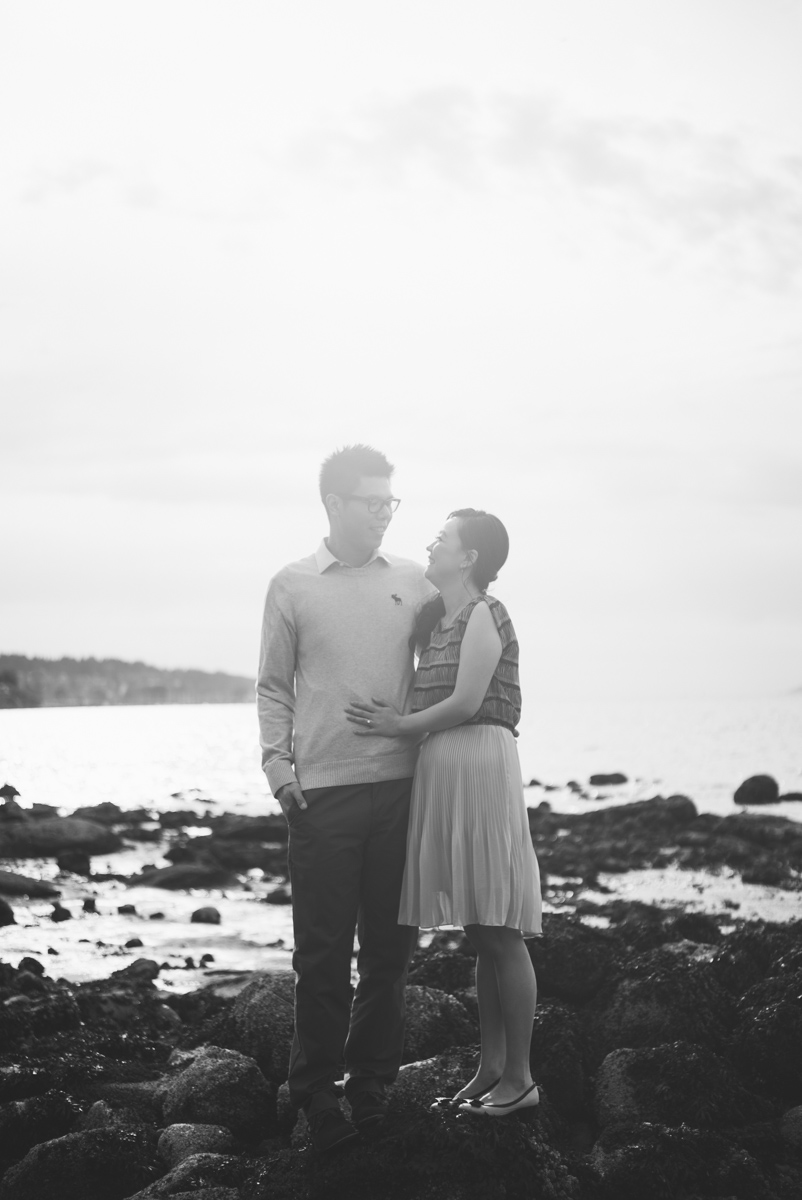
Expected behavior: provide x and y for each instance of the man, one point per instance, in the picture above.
(336, 628)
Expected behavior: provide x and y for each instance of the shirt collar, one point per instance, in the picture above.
(325, 559)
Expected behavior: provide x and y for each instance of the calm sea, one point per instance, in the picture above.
(209, 753)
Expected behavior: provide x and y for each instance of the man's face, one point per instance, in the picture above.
(359, 525)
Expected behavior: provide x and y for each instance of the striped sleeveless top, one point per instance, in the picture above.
(436, 675)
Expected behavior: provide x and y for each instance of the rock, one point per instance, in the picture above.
(571, 960)
(767, 1046)
(557, 1058)
(13, 884)
(77, 862)
(222, 1087)
(208, 915)
(665, 997)
(140, 968)
(133, 942)
(105, 1115)
(673, 1084)
(34, 839)
(127, 910)
(11, 811)
(270, 827)
(179, 1142)
(108, 813)
(31, 964)
(7, 914)
(185, 875)
(213, 1176)
(8, 792)
(279, 895)
(662, 1162)
(261, 1022)
(450, 971)
(612, 780)
(757, 789)
(791, 1126)
(60, 913)
(24, 1123)
(89, 905)
(93, 1164)
(791, 796)
(435, 1021)
(51, 1013)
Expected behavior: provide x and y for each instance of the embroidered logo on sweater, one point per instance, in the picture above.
(397, 599)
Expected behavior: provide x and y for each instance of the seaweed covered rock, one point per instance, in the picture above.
(673, 1084)
(25, 1123)
(435, 1021)
(571, 960)
(178, 1142)
(767, 1046)
(96, 1164)
(667, 1162)
(261, 1020)
(222, 1087)
(448, 970)
(197, 1174)
(557, 1057)
(34, 839)
(757, 789)
(667, 995)
(40, 1014)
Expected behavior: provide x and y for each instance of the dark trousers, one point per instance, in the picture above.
(346, 857)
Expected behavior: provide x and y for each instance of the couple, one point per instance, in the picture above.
(345, 723)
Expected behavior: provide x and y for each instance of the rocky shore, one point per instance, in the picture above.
(667, 1043)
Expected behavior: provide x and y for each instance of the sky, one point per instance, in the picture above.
(547, 257)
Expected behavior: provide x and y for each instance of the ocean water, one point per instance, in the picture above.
(146, 755)
(207, 757)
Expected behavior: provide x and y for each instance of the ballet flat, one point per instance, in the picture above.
(446, 1103)
(503, 1110)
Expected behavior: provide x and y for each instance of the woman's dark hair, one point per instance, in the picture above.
(479, 531)
(342, 470)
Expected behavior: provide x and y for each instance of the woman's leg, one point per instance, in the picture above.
(491, 1024)
(517, 998)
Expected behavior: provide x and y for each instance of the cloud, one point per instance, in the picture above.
(71, 177)
(711, 191)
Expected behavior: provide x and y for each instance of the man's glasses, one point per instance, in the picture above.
(375, 503)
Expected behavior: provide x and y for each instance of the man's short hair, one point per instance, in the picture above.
(342, 470)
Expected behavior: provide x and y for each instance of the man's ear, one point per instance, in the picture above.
(333, 504)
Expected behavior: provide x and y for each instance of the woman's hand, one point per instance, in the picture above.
(376, 719)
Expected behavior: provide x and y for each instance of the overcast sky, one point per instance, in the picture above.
(548, 257)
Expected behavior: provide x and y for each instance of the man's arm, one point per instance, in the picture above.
(275, 694)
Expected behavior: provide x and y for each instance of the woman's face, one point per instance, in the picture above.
(447, 555)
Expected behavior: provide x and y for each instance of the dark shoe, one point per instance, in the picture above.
(368, 1110)
(329, 1130)
(527, 1100)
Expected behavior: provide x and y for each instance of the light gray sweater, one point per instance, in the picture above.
(331, 634)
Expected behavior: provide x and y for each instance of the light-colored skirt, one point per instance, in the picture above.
(470, 859)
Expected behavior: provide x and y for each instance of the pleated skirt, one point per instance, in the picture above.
(470, 859)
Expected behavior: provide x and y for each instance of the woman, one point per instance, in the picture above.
(470, 860)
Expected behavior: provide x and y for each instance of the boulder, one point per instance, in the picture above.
(261, 1022)
(13, 884)
(7, 913)
(222, 1087)
(199, 1175)
(571, 960)
(767, 1046)
(791, 1126)
(53, 1012)
(672, 1084)
(185, 875)
(24, 1123)
(60, 913)
(794, 797)
(435, 1021)
(103, 1114)
(557, 1058)
(92, 1164)
(108, 813)
(8, 792)
(757, 789)
(178, 1142)
(663, 1162)
(208, 915)
(34, 839)
(77, 862)
(614, 779)
(449, 970)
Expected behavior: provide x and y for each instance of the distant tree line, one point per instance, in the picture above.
(63, 682)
